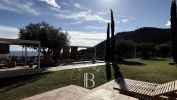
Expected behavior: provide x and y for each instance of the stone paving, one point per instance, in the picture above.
(106, 92)
(74, 66)
(20, 71)
(72, 92)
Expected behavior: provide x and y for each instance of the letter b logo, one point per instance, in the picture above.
(89, 79)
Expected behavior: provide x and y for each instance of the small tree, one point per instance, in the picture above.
(74, 53)
(174, 30)
(52, 39)
(163, 50)
(125, 48)
(147, 50)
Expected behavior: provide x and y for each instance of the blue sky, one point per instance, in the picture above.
(85, 20)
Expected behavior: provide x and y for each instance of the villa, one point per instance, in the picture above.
(88, 50)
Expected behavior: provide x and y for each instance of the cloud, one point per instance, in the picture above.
(8, 32)
(82, 15)
(86, 15)
(64, 3)
(52, 3)
(168, 24)
(124, 20)
(18, 7)
(94, 27)
(77, 5)
(76, 22)
(102, 13)
(79, 38)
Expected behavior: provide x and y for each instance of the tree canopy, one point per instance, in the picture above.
(49, 36)
(52, 39)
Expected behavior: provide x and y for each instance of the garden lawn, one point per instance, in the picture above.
(156, 71)
(21, 87)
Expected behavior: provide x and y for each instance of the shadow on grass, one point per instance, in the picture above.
(7, 84)
(173, 64)
(156, 59)
(54, 80)
(132, 63)
(119, 78)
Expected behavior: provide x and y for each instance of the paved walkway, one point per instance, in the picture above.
(20, 71)
(74, 66)
(106, 92)
(72, 92)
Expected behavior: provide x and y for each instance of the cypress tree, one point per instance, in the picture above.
(107, 57)
(114, 65)
(112, 37)
(174, 30)
(108, 42)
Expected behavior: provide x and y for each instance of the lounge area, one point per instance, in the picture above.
(8, 61)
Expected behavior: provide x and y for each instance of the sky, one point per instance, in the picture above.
(84, 20)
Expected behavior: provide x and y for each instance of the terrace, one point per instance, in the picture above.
(129, 65)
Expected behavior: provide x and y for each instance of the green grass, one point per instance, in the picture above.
(30, 85)
(156, 71)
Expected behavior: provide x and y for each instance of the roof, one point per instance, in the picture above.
(81, 46)
(17, 41)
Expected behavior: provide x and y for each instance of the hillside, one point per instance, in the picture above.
(144, 35)
(141, 35)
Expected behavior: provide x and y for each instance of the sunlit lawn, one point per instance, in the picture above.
(21, 87)
(157, 71)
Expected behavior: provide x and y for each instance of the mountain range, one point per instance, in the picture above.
(141, 35)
